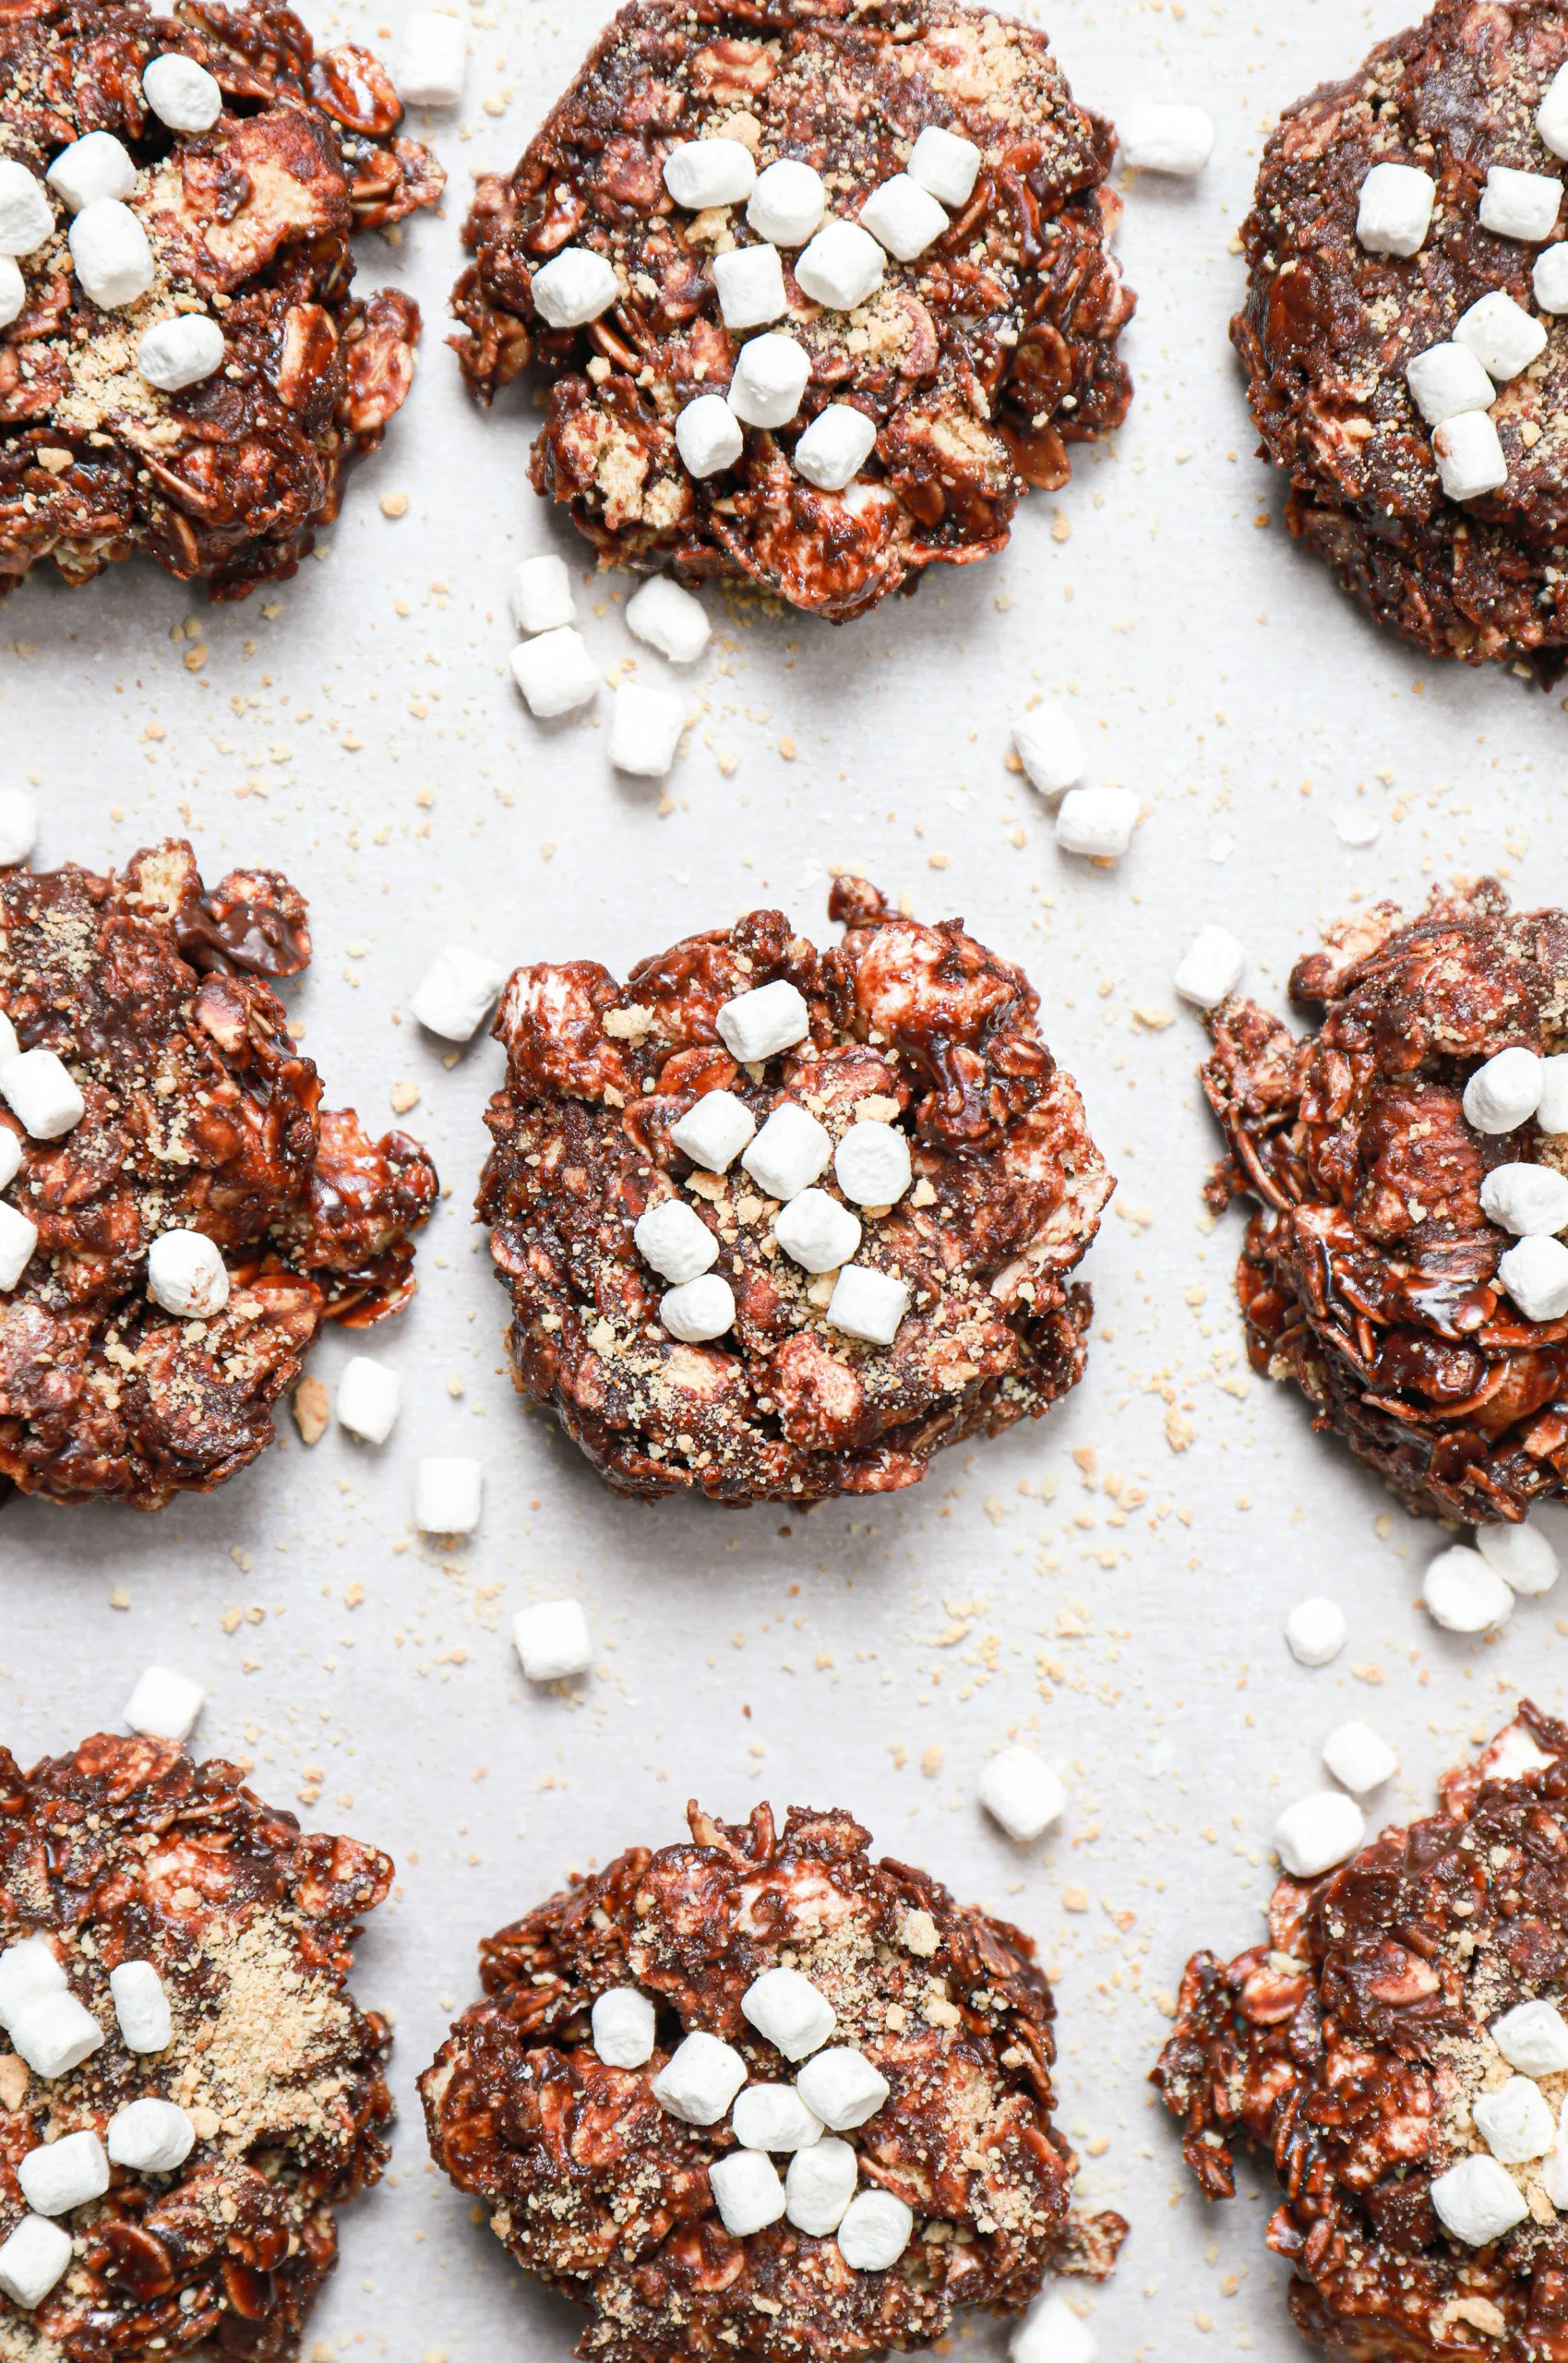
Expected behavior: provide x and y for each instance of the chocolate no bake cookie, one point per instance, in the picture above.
(173, 1965)
(888, 1269)
(760, 2095)
(174, 1123)
(1397, 2050)
(934, 399)
(231, 243)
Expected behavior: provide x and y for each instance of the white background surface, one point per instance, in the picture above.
(743, 1654)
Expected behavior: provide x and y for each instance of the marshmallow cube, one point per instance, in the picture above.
(555, 673)
(28, 1972)
(787, 203)
(1520, 205)
(457, 992)
(12, 291)
(757, 1025)
(708, 436)
(713, 1130)
(574, 287)
(1098, 822)
(54, 2033)
(701, 173)
(1019, 1790)
(27, 218)
(1503, 337)
(1521, 1555)
(770, 376)
(1551, 1107)
(19, 1238)
(788, 1152)
(32, 2260)
(1549, 279)
(789, 2011)
(817, 1232)
(676, 1240)
(1318, 1832)
(944, 163)
(1476, 2202)
(10, 1156)
(1506, 1092)
(1529, 1199)
(868, 1306)
(874, 2230)
(432, 61)
(1514, 2121)
(1533, 2038)
(152, 2136)
(624, 2026)
(774, 2116)
(541, 595)
(1463, 1594)
(835, 446)
(369, 1396)
(552, 1640)
(1554, 2175)
(873, 1165)
(750, 284)
(1447, 379)
(1316, 1630)
(747, 2191)
(645, 727)
(820, 2186)
(701, 2080)
(1049, 749)
(842, 2088)
(1536, 1276)
(669, 618)
(184, 95)
(1211, 968)
(904, 217)
(164, 1705)
(1395, 208)
(180, 352)
(65, 2173)
(18, 832)
(699, 1310)
(141, 2006)
(1552, 115)
(446, 1497)
(1469, 456)
(1357, 1759)
(112, 259)
(840, 268)
(1051, 2332)
(1154, 139)
(88, 169)
(40, 1089)
(186, 1275)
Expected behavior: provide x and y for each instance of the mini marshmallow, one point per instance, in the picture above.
(164, 1705)
(152, 2136)
(92, 168)
(1154, 139)
(750, 284)
(447, 1495)
(1536, 1276)
(1533, 2038)
(701, 173)
(18, 834)
(457, 992)
(676, 1240)
(1551, 1107)
(180, 352)
(820, 2186)
(1357, 1759)
(574, 287)
(787, 203)
(1051, 2332)
(904, 217)
(774, 2116)
(39, 1089)
(13, 292)
(10, 1156)
(65, 2173)
(552, 1640)
(713, 1130)
(669, 618)
(840, 266)
(624, 2026)
(946, 164)
(817, 1232)
(842, 2088)
(114, 261)
(708, 436)
(27, 218)
(1529, 1199)
(755, 1025)
(1469, 456)
(432, 61)
(555, 673)
(1316, 1630)
(1049, 749)
(868, 1305)
(28, 1972)
(541, 595)
(1463, 1594)
(188, 98)
(788, 1152)
(1478, 2201)
(1521, 1555)
(701, 2080)
(1096, 821)
(1503, 337)
(747, 2191)
(1019, 1790)
(186, 1275)
(32, 2260)
(645, 727)
(1549, 279)
(1447, 379)
(141, 2006)
(699, 1310)
(1554, 2169)
(1211, 970)
(369, 1396)
(54, 2034)
(1520, 205)
(873, 1164)
(789, 2011)
(18, 1239)
(770, 376)
(1318, 1832)
(834, 447)
(1552, 115)
(1504, 1093)
(1514, 2121)
(874, 2230)
(1395, 208)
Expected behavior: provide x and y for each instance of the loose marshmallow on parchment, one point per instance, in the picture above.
(1536, 1276)
(95, 167)
(703, 172)
(1051, 2332)
(842, 266)
(835, 446)
(904, 217)
(1478, 2201)
(1533, 2038)
(701, 2080)
(645, 727)
(1505, 1092)
(61, 2175)
(555, 673)
(54, 2034)
(708, 436)
(1019, 1790)
(1503, 337)
(1097, 821)
(699, 1310)
(945, 163)
(842, 2088)
(746, 2193)
(151, 2136)
(789, 1152)
(1520, 205)
(1514, 2121)
(774, 2118)
(447, 1495)
(186, 1275)
(820, 2186)
(12, 291)
(1048, 746)
(1318, 1832)
(369, 1397)
(164, 1705)
(432, 61)
(18, 826)
(1358, 1759)
(1521, 1555)
(173, 354)
(875, 2231)
(868, 1305)
(758, 1025)
(141, 2006)
(114, 261)
(39, 1088)
(457, 992)
(1165, 138)
(540, 593)
(29, 1970)
(1529, 1199)
(817, 1231)
(625, 2023)
(1211, 968)
(1315, 1630)
(551, 1640)
(713, 1130)
(789, 2011)
(674, 1237)
(574, 287)
(1395, 210)
(1463, 1594)
(1470, 455)
(18, 1241)
(873, 1164)
(669, 619)
(750, 284)
(32, 2260)
(188, 98)
(787, 203)
(27, 218)
(1446, 380)
(770, 379)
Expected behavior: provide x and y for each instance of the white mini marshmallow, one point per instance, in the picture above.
(18, 834)
(1521, 1555)
(141, 2006)
(1395, 208)
(1514, 2121)
(1529, 1199)
(757, 1025)
(164, 1705)
(820, 2186)
(1470, 455)
(1551, 1107)
(842, 2088)
(840, 268)
(552, 1640)
(457, 992)
(946, 164)
(1318, 1832)
(1533, 2038)
(701, 2080)
(32, 2260)
(1097, 821)
(1552, 115)
(28, 1971)
(1554, 2168)
(669, 619)
(1536, 1276)
(541, 595)
(1520, 205)
(747, 2191)
(1020, 1789)
(750, 284)
(1504, 1093)
(708, 436)
(38, 1088)
(817, 1232)
(701, 173)
(186, 1275)
(152, 2136)
(114, 261)
(904, 217)
(575, 286)
(1049, 748)
(1359, 1759)
(188, 98)
(1316, 1630)
(1156, 138)
(789, 2011)
(27, 218)
(180, 352)
(770, 379)
(624, 2026)
(432, 60)
(1478, 2201)
(12, 291)
(92, 168)
(1549, 279)
(674, 1237)
(874, 2230)
(1447, 379)
(1211, 968)
(789, 1152)
(447, 1494)
(774, 2117)
(54, 2033)
(713, 1130)
(699, 1310)
(18, 1240)
(10, 1156)
(369, 1396)
(1051, 2332)
(868, 1305)
(65, 2173)
(834, 447)
(787, 203)
(1463, 1594)
(873, 1164)
(645, 727)
(555, 673)
(1503, 337)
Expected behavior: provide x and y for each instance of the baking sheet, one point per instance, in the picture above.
(871, 1653)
